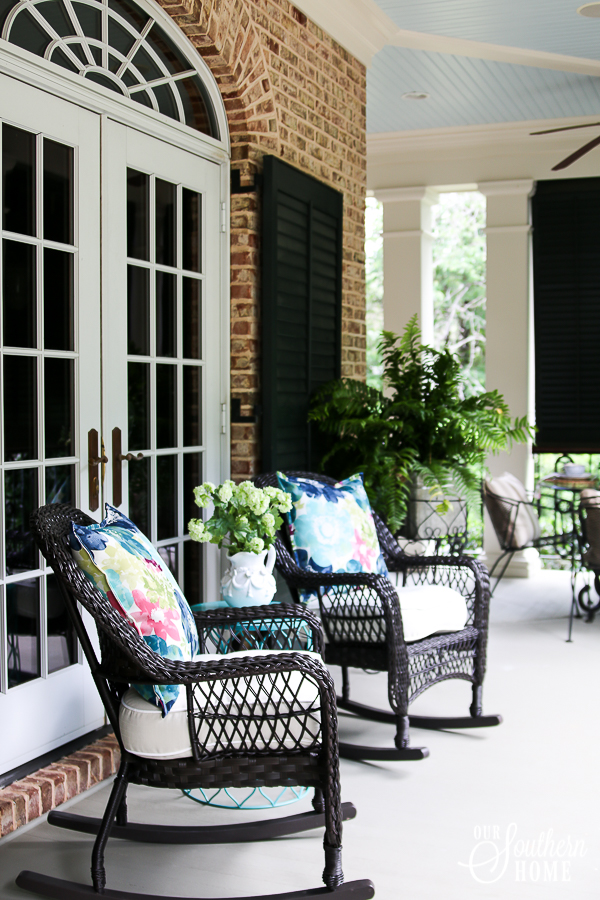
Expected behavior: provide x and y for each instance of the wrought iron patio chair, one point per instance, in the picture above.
(504, 513)
(247, 725)
(363, 627)
(589, 516)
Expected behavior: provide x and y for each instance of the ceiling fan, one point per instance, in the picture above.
(578, 153)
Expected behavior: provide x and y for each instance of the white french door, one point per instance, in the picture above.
(113, 347)
(161, 346)
(50, 348)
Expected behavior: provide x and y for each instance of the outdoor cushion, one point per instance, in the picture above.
(527, 524)
(331, 526)
(146, 733)
(590, 501)
(426, 610)
(128, 569)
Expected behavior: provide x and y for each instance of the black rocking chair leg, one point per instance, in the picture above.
(428, 722)
(59, 889)
(142, 832)
(117, 794)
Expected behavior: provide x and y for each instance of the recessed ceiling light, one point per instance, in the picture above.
(590, 10)
(423, 95)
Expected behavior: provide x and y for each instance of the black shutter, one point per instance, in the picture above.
(566, 277)
(301, 308)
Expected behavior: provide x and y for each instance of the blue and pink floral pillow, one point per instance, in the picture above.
(129, 571)
(331, 526)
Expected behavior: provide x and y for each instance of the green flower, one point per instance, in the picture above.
(203, 494)
(225, 492)
(256, 545)
(198, 531)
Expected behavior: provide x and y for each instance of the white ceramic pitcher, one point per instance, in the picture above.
(249, 579)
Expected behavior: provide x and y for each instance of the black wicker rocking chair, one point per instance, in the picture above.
(363, 626)
(237, 738)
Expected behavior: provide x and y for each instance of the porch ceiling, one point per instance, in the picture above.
(467, 90)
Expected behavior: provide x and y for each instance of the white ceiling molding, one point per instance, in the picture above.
(519, 56)
(394, 142)
(364, 29)
(404, 194)
(502, 188)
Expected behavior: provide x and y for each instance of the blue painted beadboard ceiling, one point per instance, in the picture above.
(467, 91)
(551, 25)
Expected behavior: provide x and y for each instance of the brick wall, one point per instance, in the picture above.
(47, 788)
(289, 90)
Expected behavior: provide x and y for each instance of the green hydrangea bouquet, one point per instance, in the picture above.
(245, 517)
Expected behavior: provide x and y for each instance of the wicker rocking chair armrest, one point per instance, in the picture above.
(226, 667)
(297, 612)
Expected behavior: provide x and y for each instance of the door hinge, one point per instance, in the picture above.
(223, 218)
(223, 418)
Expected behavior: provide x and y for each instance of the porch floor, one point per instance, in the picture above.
(417, 822)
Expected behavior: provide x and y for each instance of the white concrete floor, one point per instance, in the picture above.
(518, 802)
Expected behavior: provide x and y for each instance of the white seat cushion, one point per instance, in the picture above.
(147, 734)
(429, 609)
(426, 610)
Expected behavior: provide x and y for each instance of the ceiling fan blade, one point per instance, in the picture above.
(565, 128)
(577, 155)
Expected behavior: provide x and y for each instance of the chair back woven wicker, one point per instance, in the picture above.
(248, 726)
(362, 621)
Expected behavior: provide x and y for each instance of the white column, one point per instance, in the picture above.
(509, 338)
(407, 258)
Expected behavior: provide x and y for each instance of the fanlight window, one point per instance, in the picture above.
(117, 44)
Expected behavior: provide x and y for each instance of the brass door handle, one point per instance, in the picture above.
(130, 456)
(97, 459)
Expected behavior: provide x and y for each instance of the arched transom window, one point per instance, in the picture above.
(117, 44)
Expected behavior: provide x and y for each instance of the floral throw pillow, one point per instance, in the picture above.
(331, 527)
(129, 571)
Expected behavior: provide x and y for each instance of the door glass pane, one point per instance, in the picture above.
(192, 319)
(138, 377)
(23, 631)
(58, 407)
(138, 311)
(20, 407)
(138, 219)
(169, 557)
(58, 192)
(192, 572)
(166, 315)
(60, 482)
(18, 180)
(192, 477)
(62, 640)
(165, 223)
(192, 431)
(21, 498)
(58, 300)
(166, 406)
(166, 496)
(139, 494)
(191, 230)
(18, 287)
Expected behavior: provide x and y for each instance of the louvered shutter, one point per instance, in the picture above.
(301, 308)
(566, 275)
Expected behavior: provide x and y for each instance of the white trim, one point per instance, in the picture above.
(517, 56)
(504, 188)
(418, 232)
(507, 229)
(404, 194)
(464, 136)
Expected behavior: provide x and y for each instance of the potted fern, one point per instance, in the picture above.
(419, 429)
